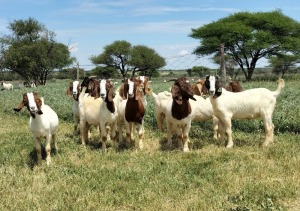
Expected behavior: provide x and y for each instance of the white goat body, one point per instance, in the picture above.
(252, 103)
(7, 86)
(89, 112)
(43, 123)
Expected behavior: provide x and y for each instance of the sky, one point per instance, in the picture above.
(87, 26)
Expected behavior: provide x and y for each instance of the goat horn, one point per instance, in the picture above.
(174, 79)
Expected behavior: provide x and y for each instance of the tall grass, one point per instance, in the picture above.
(210, 177)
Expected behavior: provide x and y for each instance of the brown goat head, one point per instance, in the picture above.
(181, 89)
(33, 103)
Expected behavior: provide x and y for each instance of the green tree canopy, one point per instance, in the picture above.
(282, 63)
(125, 57)
(32, 52)
(248, 37)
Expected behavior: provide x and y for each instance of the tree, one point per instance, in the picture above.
(32, 52)
(105, 72)
(249, 37)
(125, 57)
(282, 63)
(145, 60)
(199, 71)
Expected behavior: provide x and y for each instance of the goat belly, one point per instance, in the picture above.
(134, 112)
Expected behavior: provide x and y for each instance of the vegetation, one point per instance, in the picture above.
(123, 56)
(248, 37)
(210, 177)
(32, 52)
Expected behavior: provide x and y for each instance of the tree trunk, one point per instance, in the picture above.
(249, 75)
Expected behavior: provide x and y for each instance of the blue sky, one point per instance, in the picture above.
(89, 25)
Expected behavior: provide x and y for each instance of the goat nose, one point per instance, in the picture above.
(102, 95)
(32, 108)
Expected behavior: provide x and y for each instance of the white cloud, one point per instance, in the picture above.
(183, 53)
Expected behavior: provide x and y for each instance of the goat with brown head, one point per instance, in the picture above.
(181, 93)
(33, 103)
(74, 90)
(134, 110)
(107, 93)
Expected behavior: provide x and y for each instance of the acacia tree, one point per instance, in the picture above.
(125, 57)
(248, 37)
(32, 52)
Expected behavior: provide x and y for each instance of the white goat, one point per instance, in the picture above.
(252, 103)
(74, 91)
(43, 122)
(161, 99)
(7, 86)
(179, 113)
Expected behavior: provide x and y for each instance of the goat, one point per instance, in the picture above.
(252, 103)
(197, 87)
(74, 91)
(179, 113)
(234, 86)
(202, 106)
(89, 107)
(43, 122)
(160, 100)
(7, 86)
(131, 109)
(108, 111)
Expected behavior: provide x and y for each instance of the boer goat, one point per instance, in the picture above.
(89, 107)
(179, 113)
(74, 91)
(252, 103)
(197, 87)
(108, 111)
(43, 122)
(131, 109)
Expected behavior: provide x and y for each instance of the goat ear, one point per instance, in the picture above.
(123, 92)
(69, 89)
(111, 94)
(175, 91)
(19, 107)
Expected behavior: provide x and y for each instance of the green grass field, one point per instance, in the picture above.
(209, 177)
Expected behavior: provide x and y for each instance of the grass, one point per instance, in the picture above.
(210, 177)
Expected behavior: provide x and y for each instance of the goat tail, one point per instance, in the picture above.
(280, 85)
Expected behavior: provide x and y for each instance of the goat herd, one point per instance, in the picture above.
(97, 102)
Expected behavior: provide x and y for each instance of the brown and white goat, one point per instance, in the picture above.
(197, 87)
(89, 107)
(108, 111)
(234, 86)
(249, 104)
(179, 113)
(131, 110)
(43, 122)
(74, 91)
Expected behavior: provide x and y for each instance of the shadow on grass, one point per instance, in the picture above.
(33, 161)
